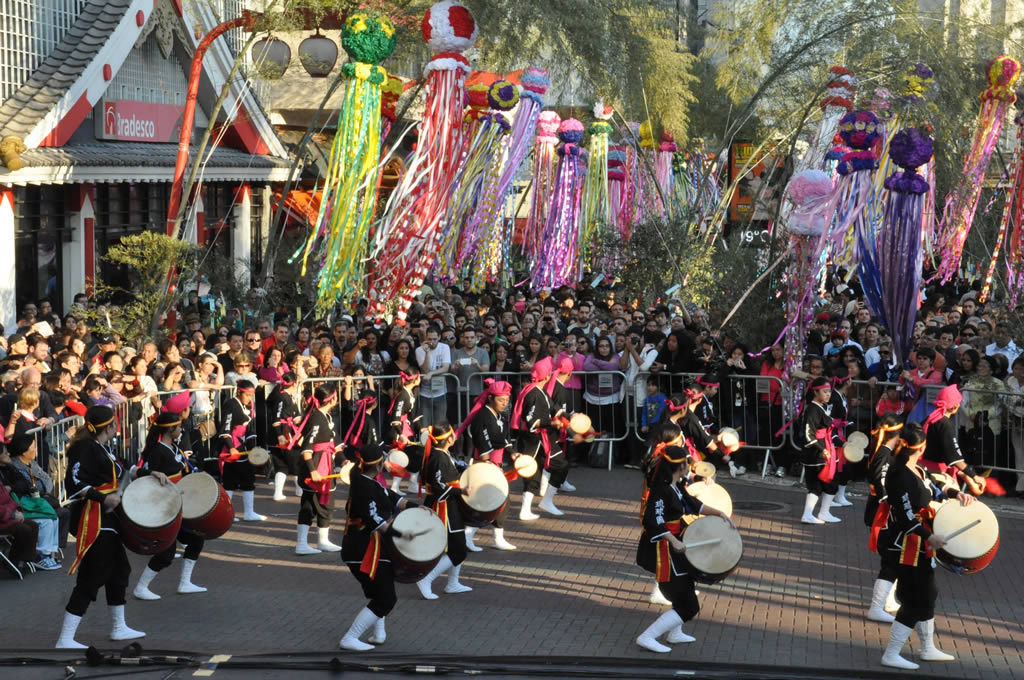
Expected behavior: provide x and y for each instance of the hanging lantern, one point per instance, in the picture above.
(318, 55)
(271, 57)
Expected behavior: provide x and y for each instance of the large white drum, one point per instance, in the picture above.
(413, 559)
(150, 515)
(713, 494)
(713, 548)
(974, 549)
(488, 493)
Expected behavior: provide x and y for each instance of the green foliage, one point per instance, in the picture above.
(142, 262)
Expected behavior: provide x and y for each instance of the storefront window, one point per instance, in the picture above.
(42, 226)
(123, 209)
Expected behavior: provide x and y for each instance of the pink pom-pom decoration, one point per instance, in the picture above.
(547, 126)
(809, 185)
(448, 26)
(808, 190)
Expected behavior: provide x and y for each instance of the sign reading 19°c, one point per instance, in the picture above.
(131, 121)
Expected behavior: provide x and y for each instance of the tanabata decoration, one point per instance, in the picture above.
(481, 241)
(1013, 212)
(635, 171)
(889, 267)
(349, 194)
(556, 265)
(494, 248)
(543, 184)
(861, 131)
(663, 168)
(405, 243)
(807, 264)
(617, 187)
(446, 266)
(481, 163)
(962, 202)
(595, 214)
(838, 101)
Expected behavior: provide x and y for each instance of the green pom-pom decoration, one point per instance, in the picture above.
(369, 39)
(599, 127)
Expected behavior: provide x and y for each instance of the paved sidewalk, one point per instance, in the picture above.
(570, 590)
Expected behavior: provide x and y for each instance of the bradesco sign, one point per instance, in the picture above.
(129, 121)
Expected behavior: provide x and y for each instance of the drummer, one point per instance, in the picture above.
(838, 409)
(370, 514)
(661, 551)
(161, 454)
(318, 447)
(442, 479)
(531, 418)
(283, 414)
(876, 514)
(491, 444)
(404, 426)
(666, 435)
(908, 536)
(554, 479)
(236, 436)
(93, 479)
(819, 455)
(943, 451)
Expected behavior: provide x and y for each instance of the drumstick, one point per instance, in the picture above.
(710, 541)
(418, 534)
(334, 476)
(962, 530)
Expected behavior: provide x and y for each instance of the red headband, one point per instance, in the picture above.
(247, 390)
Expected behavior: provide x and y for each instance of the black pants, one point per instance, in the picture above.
(105, 565)
(890, 569)
(284, 460)
(532, 484)
(239, 476)
(380, 590)
(681, 592)
(916, 591)
(457, 550)
(193, 547)
(558, 466)
(815, 485)
(24, 538)
(310, 507)
(415, 453)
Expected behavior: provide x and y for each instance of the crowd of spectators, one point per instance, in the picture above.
(634, 361)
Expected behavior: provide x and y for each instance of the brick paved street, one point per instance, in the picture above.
(571, 590)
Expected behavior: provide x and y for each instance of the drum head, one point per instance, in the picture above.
(855, 446)
(704, 469)
(716, 558)
(974, 542)
(149, 504)
(580, 423)
(729, 438)
(259, 456)
(398, 458)
(346, 472)
(431, 534)
(199, 495)
(526, 466)
(487, 486)
(711, 494)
